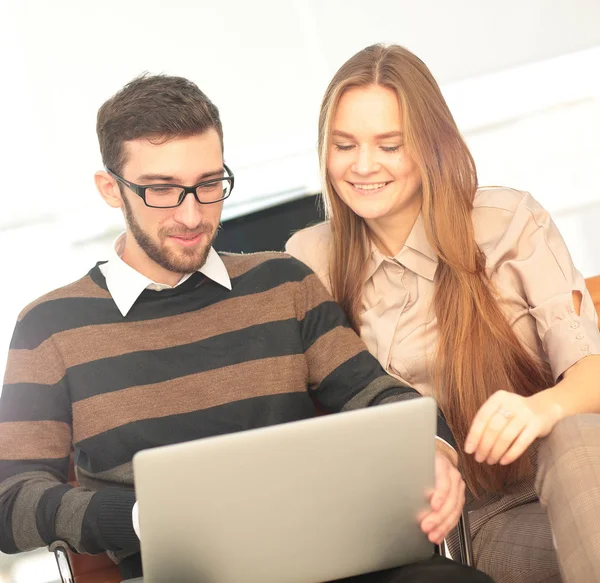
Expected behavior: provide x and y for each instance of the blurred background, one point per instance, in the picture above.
(521, 77)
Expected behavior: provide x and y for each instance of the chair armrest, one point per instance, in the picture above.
(464, 541)
(464, 537)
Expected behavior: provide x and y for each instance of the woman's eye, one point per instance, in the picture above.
(390, 148)
(344, 147)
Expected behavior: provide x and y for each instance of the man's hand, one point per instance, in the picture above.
(448, 498)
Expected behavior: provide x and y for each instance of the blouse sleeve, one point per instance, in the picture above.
(311, 246)
(532, 254)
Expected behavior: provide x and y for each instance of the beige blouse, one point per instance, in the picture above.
(527, 261)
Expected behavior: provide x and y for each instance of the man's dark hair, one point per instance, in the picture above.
(159, 107)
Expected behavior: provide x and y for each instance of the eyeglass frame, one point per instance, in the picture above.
(140, 189)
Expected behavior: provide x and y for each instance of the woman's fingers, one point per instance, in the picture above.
(504, 441)
(523, 441)
(481, 421)
(492, 433)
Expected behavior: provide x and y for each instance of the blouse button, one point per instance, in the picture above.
(584, 348)
(579, 336)
(574, 324)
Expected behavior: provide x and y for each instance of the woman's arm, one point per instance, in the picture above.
(507, 424)
(538, 263)
(578, 391)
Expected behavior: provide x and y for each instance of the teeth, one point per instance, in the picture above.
(369, 186)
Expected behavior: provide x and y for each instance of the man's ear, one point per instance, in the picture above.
(109, 189)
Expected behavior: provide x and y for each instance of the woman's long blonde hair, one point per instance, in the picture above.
(478, 353)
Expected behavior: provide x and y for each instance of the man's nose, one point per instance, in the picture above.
(190, 212)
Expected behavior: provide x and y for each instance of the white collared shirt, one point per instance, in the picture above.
(125, 284)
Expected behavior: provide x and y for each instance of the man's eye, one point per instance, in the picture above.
(211, 186)
(162, 190)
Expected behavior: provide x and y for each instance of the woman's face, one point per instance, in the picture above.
(367, 161)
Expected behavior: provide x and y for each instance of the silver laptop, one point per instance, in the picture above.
(302, 502)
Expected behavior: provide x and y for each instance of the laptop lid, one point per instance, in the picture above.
(302, 502)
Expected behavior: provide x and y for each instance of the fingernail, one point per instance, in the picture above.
(469, 447)
(427, 525)
(479, 458)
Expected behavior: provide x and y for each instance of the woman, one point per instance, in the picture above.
(469, 295)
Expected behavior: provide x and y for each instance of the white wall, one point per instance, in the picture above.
(264, 62)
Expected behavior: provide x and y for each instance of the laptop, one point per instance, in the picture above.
(302, 502)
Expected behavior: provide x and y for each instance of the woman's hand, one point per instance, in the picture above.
(507, 424)
(447, 500)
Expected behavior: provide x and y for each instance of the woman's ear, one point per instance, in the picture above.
(109, 189)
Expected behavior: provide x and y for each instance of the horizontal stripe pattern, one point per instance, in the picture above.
(36, 402)
(41, 365)
(275, 339)
(120, 476)
(34, 440)
(255, 378)
(73, 311)
(113, 448)
(59, 315)
(240, 264)
(229, 315)
(15, 469)
(185, 363)
(330, 351)
(82, 288)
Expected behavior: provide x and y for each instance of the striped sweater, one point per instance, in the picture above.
(185, 363)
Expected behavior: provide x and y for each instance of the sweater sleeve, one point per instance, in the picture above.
(343, 374)
(37, 505)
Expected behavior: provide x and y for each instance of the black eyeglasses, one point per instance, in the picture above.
(171, 195)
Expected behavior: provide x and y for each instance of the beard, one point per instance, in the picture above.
(187, 260)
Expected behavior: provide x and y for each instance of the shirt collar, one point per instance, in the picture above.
(417, 254)
(126, 284)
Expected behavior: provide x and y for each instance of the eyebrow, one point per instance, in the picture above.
(378, 136)
(171, 179)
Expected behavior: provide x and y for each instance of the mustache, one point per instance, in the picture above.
(189, 233)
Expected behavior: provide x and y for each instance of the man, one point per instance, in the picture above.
(168, 341)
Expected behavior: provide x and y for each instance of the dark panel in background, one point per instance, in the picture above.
(269, 229)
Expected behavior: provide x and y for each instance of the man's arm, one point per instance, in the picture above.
(37, 506)
(343, 375)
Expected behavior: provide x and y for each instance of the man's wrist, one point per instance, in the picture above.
(135, 518)
(447, 450)
(107, 523)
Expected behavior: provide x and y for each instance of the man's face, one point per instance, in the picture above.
(176, 239)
